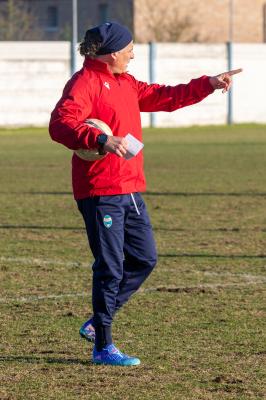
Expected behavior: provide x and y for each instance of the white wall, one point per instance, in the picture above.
(183, 62)
(250, 89)
(33, 74)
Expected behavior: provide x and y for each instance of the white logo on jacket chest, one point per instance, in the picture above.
(107, 85)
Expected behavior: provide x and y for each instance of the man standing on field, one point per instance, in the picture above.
(107, 191)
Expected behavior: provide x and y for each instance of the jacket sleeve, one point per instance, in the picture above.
(156, 97)
(67, 119)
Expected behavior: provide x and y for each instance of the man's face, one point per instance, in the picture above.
(122, 58)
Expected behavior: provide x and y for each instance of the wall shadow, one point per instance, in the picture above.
(40, 360)
(66, 228)
(195, 255)
(156, 229)
(191, 194)
(40, 193)
(149, 193)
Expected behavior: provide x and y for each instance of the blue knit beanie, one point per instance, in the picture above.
(114, 37)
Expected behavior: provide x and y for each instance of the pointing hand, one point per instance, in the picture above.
(224, 80)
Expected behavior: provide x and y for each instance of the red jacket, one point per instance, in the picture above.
(117, 99)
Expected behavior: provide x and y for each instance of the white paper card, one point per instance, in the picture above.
(134, 146)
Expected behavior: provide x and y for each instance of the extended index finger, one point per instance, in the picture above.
(234, 71)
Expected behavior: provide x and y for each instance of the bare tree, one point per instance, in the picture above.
(17, 21)
(161, 21)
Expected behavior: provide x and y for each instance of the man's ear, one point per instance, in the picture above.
(114, 55)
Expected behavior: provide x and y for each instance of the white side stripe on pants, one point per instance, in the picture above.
(135, 204)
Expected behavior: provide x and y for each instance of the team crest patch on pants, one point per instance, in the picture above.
(107, 221)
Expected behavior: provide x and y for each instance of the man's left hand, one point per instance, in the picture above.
(224, 80)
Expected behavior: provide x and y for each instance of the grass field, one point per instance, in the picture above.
(198, 324)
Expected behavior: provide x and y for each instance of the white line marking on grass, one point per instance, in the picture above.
(32, 299)
(248, 277)
(39, 261)
(235, 275)
(250, 280)
(199, 288)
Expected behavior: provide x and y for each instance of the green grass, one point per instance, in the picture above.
(198, 324)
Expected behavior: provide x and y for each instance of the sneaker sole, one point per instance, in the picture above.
(88, 338)
(97, 362)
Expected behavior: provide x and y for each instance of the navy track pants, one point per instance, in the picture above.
(121, 240)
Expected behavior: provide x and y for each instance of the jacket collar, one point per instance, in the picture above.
(97, 65)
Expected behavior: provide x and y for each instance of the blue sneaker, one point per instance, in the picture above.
(87, 331)
(110, 355)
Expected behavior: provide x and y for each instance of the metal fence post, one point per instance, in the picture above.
(152, 75)
(74, 39)
(230, 93)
